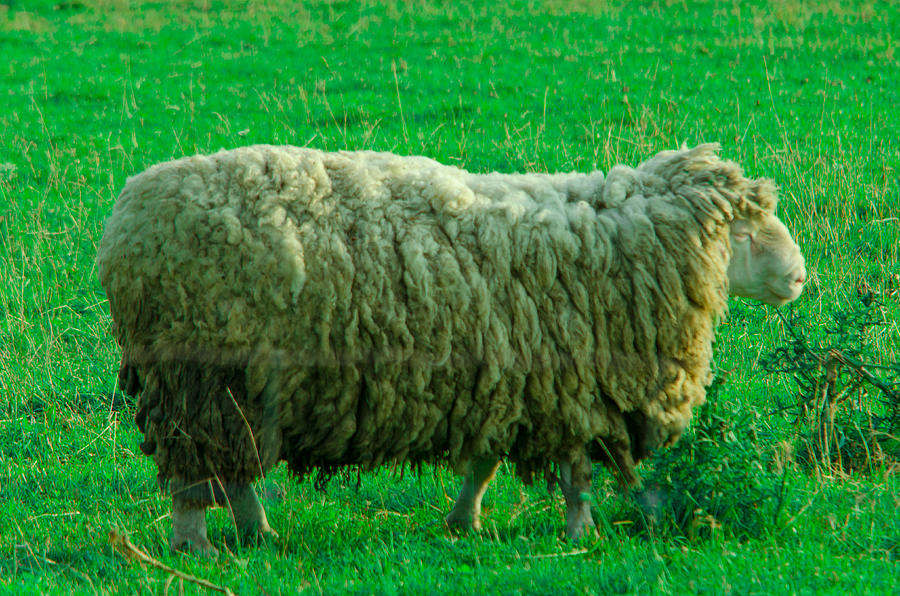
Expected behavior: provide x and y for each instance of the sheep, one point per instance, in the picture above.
(335, 309)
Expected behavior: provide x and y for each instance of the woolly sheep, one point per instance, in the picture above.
(361, 308)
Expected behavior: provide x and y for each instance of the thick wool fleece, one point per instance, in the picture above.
(356, 308)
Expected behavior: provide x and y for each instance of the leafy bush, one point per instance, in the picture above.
(713, 481)
(846, 408)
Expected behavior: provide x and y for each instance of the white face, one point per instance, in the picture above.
(766, 263)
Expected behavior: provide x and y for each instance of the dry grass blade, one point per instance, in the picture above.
(123, 545)
(573, 553)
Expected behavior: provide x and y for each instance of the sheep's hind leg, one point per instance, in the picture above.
(575, 482)
(189, 527)
(248, 513)
(467, 509)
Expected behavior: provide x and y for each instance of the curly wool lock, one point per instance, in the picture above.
(357, 308)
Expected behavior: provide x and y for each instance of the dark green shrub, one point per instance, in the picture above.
(714, 481)
(846, 408)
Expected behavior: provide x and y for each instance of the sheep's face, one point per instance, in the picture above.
(766, 263)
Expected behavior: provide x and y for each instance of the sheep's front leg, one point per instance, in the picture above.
(575, 482)
(247, 512)
(189, 527)
(467, 509)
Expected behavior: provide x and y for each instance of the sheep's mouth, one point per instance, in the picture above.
(776, 301)
(781, 294)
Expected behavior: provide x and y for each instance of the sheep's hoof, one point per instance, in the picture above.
(462, 522)
(194, 546)
(582, 532)
(258, 536)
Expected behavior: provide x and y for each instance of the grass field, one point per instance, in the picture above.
(801, 91)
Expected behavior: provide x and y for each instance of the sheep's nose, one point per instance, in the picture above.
(801, 277)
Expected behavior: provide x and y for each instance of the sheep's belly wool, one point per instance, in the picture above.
(355, 308)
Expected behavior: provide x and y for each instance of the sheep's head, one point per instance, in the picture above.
(766, 263)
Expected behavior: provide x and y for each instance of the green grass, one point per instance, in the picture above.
(95, 90)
